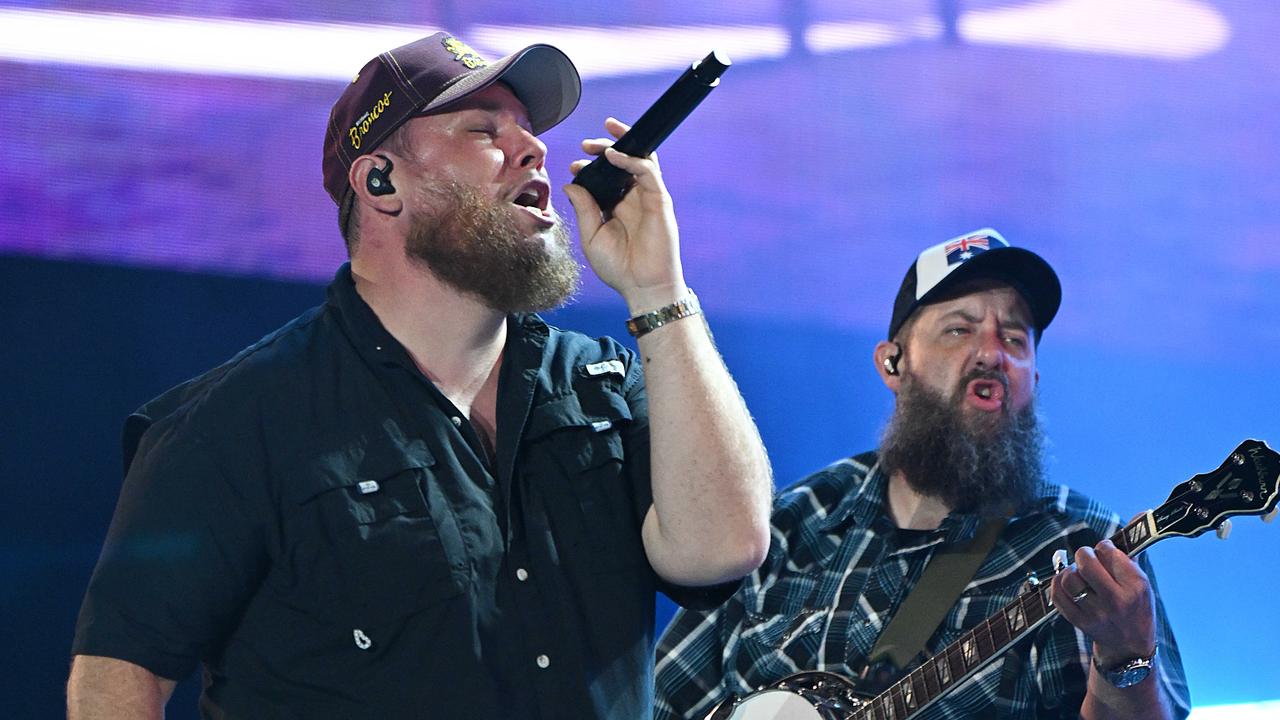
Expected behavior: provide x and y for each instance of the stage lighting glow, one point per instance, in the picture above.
(612, 51)
(334, 52)
(196, 45)
(1244, 711)
(830, 37)
(1161, 29)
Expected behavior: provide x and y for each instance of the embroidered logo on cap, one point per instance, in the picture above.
(463, 53)
(361, 128)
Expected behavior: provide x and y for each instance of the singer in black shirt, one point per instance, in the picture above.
(419, 500)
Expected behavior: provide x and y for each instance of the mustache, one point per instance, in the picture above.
(984, 374)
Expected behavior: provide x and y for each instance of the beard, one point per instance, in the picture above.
(988, 465)
(473, 244)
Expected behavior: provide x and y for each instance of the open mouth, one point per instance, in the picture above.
(535, 198)
(986, 394)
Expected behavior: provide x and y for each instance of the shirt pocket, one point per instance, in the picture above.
(576, 465)
(774, 645)
(385, 524)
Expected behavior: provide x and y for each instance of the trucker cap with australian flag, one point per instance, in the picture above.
(980, 254)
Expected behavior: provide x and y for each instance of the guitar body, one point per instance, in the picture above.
(803, 696)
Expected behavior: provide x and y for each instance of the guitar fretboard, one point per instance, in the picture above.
(977, 647)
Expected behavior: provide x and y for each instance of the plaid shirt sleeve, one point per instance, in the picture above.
(690, 658)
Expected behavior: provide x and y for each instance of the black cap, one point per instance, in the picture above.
(980, 254)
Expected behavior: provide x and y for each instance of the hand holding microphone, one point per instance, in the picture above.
(607, 183)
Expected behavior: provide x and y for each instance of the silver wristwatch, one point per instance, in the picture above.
(650, 321)
(1129, 673)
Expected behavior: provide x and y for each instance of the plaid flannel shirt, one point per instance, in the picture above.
(838, 569)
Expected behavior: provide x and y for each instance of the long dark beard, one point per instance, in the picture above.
(474, 244)
(974, 464)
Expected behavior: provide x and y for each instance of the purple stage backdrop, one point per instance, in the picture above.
(1134, 144)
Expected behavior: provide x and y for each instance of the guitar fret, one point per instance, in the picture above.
(1016, 617)
(958, 665)
(999, 630)
(929, 673)
(944, 667)
(983, 634)
(1134, 535)
(886, 707)
(899, 703)
(1033, 603)
(969, 651)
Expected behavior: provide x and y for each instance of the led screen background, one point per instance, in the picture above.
(1135, 145)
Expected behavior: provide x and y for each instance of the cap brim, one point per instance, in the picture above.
(541, 76)
(1025, 271)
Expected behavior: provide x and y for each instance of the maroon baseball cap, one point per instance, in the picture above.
(427, 75)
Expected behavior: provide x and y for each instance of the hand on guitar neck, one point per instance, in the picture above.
(1109, 598)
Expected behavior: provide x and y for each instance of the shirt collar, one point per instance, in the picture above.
(865, 504)
(526, 332)
(361, 324)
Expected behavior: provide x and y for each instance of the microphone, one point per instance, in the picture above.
(607, 183)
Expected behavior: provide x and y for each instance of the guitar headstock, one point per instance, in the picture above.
(1246, 483)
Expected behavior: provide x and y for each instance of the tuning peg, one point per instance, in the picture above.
(1060, 560)
(1271, 515)
(1223, 530)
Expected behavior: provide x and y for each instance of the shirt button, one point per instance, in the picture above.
(362, 641)
(543, 661)
(522, 574)
(457, 421)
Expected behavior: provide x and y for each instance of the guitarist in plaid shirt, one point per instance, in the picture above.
(851, 540)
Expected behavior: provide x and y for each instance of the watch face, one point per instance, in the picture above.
(1130, 676)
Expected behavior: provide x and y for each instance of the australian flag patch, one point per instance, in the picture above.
(965, 248)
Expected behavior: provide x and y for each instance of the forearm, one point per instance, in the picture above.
(102, 688)
(710, 475)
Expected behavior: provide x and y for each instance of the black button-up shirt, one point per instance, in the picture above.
(316, 523)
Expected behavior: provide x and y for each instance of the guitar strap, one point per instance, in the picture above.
(943, 581)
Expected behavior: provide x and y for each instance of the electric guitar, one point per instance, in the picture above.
(1245, 484)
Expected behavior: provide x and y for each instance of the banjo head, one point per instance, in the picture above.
(776, 705)
(803, 696)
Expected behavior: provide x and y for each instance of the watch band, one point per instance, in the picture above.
(1129, 673)
(650, 321)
